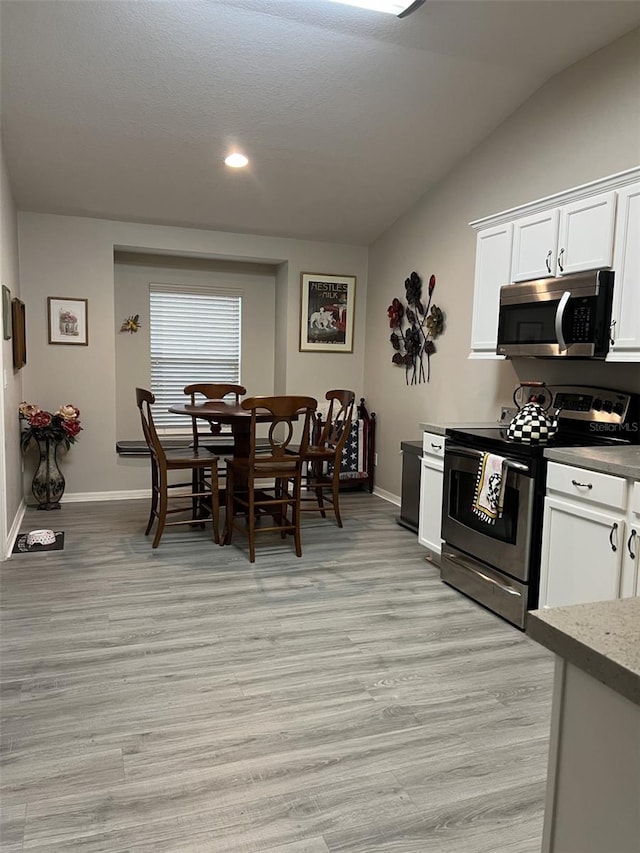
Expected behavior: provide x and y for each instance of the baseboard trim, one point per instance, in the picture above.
(140, 494)
(82, 497)
(13, 532)
(387, 496)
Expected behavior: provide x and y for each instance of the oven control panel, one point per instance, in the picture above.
(592, 404)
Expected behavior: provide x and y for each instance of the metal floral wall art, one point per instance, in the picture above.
(414, 329)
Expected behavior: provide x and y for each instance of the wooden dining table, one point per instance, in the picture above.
(222, 412)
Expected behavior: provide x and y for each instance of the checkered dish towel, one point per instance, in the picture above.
(488, 499)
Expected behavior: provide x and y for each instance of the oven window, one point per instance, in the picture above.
(462, 486)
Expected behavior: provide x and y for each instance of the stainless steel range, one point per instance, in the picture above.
(498, 564)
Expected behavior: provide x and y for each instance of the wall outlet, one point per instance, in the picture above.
(375, 458)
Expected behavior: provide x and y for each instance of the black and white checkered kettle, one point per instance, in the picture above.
(531, 425)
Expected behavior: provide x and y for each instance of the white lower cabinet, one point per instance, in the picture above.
(590, 537)
(632, 545)
(579, 563)
(431, 480)
(593, 782)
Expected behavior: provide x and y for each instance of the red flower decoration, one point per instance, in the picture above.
(40, 419)
(71, 427)
(395, 312)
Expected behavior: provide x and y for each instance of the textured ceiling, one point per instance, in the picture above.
(125, 110)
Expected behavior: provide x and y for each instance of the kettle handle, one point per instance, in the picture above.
(526, 383)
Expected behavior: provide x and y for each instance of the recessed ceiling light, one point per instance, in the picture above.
(236, 161)
(401, 8)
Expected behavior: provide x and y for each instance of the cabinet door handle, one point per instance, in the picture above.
(614, 527)
(436, 446)
(549, 253)
(629, 543)
(582, 485)
(561, 253)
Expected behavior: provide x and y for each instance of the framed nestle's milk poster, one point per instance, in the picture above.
(326, 312)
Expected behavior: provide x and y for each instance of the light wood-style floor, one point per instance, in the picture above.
(185, 700)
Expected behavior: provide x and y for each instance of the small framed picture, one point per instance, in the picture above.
(68, 321)
(326, 312)
(7, 323)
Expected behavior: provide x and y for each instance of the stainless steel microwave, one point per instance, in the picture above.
(568, 316)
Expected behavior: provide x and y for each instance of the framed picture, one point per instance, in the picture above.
(326, 312)
(19, 343)
(7, 320)
(68, 322)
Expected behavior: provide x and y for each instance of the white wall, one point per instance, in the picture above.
(582, 125)
(74, 257)
(11, 385)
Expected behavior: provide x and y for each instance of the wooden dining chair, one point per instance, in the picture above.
(203, 501)
(211, 391)
(268, 482)
(323, 457)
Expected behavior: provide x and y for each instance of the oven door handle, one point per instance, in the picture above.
(508, 589)
(504, 587)
(477, 454)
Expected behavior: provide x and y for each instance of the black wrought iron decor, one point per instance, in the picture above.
(413, 341)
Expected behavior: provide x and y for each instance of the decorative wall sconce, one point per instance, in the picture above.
(415, 341)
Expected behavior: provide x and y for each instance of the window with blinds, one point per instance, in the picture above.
(195, 337)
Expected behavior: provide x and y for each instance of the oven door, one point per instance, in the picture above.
(505, 545)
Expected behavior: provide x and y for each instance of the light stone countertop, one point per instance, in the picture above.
(602, 639)
(623, 461)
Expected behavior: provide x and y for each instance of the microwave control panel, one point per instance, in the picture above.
(581, 323)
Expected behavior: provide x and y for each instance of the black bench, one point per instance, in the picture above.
(219, 444)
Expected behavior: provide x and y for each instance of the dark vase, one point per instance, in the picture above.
(48, 482)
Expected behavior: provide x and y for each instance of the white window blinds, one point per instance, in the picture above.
(195, 337)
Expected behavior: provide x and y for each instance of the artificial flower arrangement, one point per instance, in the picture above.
(63, 425)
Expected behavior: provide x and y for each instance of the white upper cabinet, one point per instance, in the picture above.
(594, 226)
(626, 288)
(535, 245)
(564, 240)
(493, 263)
(586, 234)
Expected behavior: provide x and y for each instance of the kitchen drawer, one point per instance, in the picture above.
(433, 444)
(635, 498)
(590, 486)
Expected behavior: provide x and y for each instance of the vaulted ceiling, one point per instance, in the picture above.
(125, 110)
